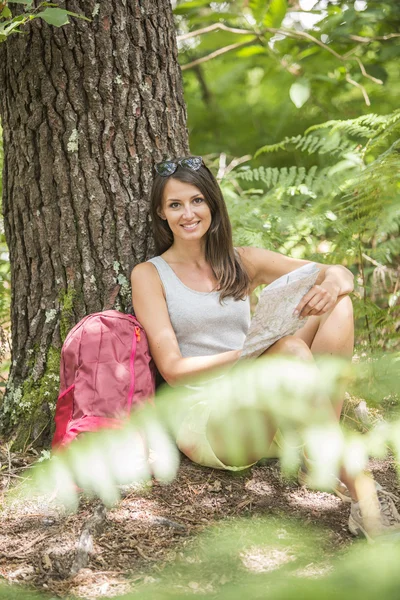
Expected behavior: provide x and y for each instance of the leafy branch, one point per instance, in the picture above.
(258, 36)
(47, 11)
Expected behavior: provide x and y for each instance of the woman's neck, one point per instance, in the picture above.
(188, 253)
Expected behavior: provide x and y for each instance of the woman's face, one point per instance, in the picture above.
(185, 209)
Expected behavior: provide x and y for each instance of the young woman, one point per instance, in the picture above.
(193, 301)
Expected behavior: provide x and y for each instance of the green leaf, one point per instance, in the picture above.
(187, 7)
(251, 51)
(55, 16)
(276, 13)
(10, 27)
(5, 13)
(59, 17)
(258, 9)
(26, 2)
(78, 16)
(300, 92)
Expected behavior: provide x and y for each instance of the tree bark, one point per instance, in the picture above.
(86, 111)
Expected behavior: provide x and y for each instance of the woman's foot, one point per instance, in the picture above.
(376, 518)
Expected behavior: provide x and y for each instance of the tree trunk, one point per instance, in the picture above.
(86, 111)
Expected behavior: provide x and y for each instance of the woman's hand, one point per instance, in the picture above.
(318, 301)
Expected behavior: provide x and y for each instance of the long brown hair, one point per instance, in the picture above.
(232, 277)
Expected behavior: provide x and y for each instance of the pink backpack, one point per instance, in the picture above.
(106, 368)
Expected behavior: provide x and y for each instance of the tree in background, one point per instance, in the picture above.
(86, 110)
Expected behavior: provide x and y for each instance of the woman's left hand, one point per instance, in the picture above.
(319, 300)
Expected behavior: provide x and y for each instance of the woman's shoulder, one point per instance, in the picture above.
(142, 271)
(246, 256)
(250, 257)
(243, 251)
(254, 256)
(253, 251)
(261, 265)
(146, 282)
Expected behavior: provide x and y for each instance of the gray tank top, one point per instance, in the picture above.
(203, 326)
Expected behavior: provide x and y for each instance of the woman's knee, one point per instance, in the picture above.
(344, 305)
(291, 346)
(342, 313)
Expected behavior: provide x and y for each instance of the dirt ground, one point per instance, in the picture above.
(152, 525)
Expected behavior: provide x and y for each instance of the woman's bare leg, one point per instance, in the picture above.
(250, 431)
(331, 334)
(298, 347)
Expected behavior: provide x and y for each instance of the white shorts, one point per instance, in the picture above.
(191, 438)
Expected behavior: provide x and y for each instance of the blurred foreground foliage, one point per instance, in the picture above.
(259, 557)
(265, 558)
(270, 558)
(291, 395)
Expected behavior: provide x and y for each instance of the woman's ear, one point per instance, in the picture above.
(161, 214)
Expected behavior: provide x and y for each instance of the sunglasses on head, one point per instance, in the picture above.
(167, 167)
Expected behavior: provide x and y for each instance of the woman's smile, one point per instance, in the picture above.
(191, 226)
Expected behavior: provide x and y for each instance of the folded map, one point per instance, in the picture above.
(273, 317)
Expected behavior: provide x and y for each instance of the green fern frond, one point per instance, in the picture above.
(387, 141)
(340, 210)
(328, 144)
(272, 147)
(293, 179)
(386, 252)
(247, 237)
(364, 127)
(373, 189)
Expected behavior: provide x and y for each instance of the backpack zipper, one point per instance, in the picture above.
(131, 392)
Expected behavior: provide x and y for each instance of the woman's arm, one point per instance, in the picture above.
(333, 281)
(151, 311)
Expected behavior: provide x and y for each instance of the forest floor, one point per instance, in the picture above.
(154, 525)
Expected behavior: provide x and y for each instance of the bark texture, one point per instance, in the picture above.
(86, 111)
